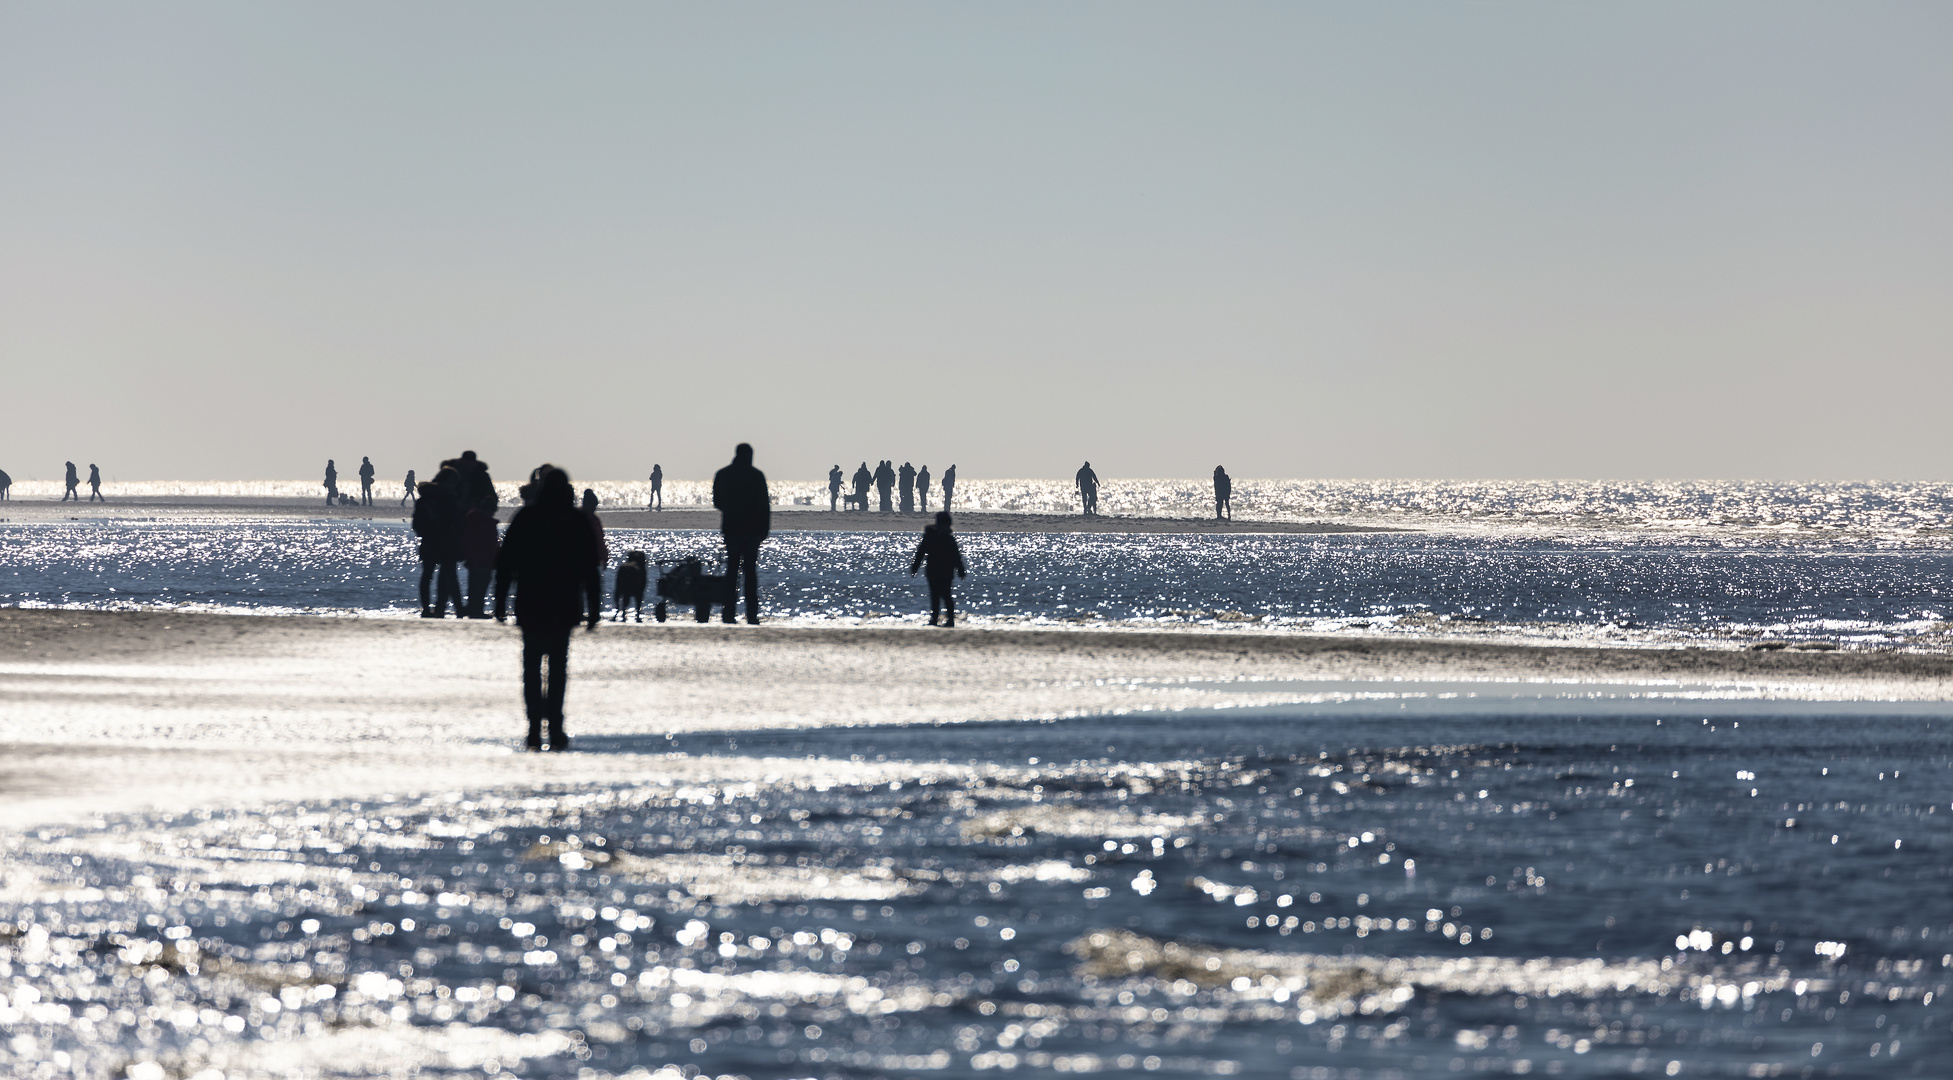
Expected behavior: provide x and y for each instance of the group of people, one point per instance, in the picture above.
(454, 516)
(911, 483)
(72, 490)
(333, 496)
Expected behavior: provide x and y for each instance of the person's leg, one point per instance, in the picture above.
(426, 586)
(450, 590)
(935, 601)
(477, 590)
(949, 601)
(749, 559)
(533, 647)
(559, 684)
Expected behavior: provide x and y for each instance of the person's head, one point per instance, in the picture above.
(742, 454)
(467, 455)
(589, 499)
(553, 487)
(364, 460)
(328, 462)
(1088, 464)
(942, 519)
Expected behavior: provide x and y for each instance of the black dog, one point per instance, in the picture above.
(630, 585)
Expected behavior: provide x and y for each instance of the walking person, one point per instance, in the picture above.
(480, 544)
(1088, 489)
(943, 558)
(949, 487)
(745, 518)
(922, 488)
(331, 482)
(6, 486)
(834, 489)
(410, 488)
(907, 482)
(437, 521)
(366, 481)
(549, 557)
(1223, 495)
(74, 485)
(657, 499)
(95, 483)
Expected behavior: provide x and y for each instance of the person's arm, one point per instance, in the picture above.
(962, 571)
(765, 507)
(916, 563)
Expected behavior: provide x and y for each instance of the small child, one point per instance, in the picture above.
(945, 561)
(632, 576)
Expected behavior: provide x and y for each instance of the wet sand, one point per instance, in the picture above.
(785, 518)
(115, 711)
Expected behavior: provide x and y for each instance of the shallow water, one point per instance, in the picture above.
(1571, 888)
(1612, 586)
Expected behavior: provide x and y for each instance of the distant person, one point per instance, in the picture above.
(95, 483)
(1223, 493)
(549, 557)
(331, 483)
(480, 544)
(745, 518)
(437, 521)
(863, 480)
(410, 488)
(74, 485)
(1088, 488)
(657, 499)
(632, 576)
(596, 527)
(6, 486)
(906, 480)
(366, 481)
(943, 558)
(885, 483)
(949, 487)
(922, 488)
(834, 489)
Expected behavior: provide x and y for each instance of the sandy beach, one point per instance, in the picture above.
(120, 711)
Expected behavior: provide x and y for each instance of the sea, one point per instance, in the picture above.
(1404, 881)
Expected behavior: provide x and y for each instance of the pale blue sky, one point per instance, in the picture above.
(1404, 240)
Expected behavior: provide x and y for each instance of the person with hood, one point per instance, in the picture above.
(1088, 489)
(922, 488)
(834, 489)
(885, 483)
(745, 518)
(943, 558)
(549, 557)
(95, 483)
(476, 484)
(74, 484)
(1223, 494)
(437, 521)
(863, 480)
(596, 527)
(480, 544)
(657, 499)
(949, 487)
(906, 482)
(366, 481)
(331, 482)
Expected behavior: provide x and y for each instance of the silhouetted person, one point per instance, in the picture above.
(331, 482)
(922, 489)
(6, 486)
(410, 488)
(906, 480)
(949, 487)
(475, 483)
(943, 558)
(632, 576)
(863, 480)
(596, 527)
(834, 488)
(366, 481)
(885, 483)
(1088, 488)
(1223, 493)
(745, 518)
(95, 484)
(480, 544)
(437, 521)
(550, 558)
(657, 498)
(74, 485)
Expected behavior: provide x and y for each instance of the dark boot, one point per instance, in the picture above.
(558, 741)
(534, 741)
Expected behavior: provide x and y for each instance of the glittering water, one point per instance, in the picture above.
(1553, 889)
(1606, 586)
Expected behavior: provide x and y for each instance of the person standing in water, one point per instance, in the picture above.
(745, 518)
(834, 489)
(922, 488)
(1223, 494)
(549, 557)
(410, 488)
(949, 487)
(1088, 489)
(95, 483)
(944, 560)
(74, 485)
(657, 499)
(331, 482)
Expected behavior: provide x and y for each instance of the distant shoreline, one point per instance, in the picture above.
(785, 519)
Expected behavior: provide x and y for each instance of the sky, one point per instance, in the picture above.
(1459, 240)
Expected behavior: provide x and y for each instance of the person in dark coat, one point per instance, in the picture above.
(480, 544)
(6, 486)
(74, 484)
(906, 480)
(95, 483)
(1223, 494)
(632, 576)
(549, 557)
(437, 521)
(412, 488)
(949, 487)
(943, 558)
(745, 518)
(922, 489)
(589, 509)
(834, 489)
(366, 481)
(863, 480)
(1088, 488)
(331, 482)
(657, 498)
(885, 483)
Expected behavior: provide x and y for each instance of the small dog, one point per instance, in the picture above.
(631, 578)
